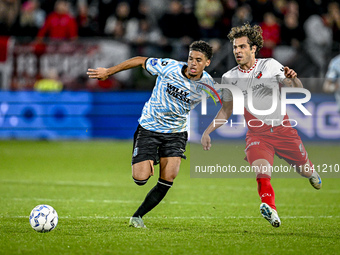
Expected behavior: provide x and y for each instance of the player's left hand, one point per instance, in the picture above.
(206, 142)
(99, 73)
(289, 73)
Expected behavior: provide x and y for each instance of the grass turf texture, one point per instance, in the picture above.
(90, 186)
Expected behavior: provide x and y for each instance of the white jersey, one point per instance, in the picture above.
(260, 80)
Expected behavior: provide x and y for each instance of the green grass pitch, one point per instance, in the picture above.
(90, 186)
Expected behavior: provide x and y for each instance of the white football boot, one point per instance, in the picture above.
(315, 180)
(270, 215)
(136, 222)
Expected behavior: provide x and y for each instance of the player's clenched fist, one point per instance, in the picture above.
(99, 73)
(289, 73)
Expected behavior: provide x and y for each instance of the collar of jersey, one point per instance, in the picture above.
(183, 72)
(249, 70)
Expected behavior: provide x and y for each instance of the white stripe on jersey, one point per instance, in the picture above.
(260, 79)
(172, 98)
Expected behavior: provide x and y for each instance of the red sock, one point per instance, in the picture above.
(265, 190)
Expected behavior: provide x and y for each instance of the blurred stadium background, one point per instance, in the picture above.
(46, 46)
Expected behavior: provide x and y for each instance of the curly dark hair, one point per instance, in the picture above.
(254, 35)
(203, 47)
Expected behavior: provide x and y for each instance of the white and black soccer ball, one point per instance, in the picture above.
(43, 218)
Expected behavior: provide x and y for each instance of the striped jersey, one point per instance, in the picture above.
(333, 72)
(262, 81)
(173, 96)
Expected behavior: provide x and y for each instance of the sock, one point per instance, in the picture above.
(265, 190)
(153, 198)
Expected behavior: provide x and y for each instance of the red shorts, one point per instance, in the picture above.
(282, 141)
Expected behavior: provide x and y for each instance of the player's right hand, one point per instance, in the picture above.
(206, 142)
(99, 73)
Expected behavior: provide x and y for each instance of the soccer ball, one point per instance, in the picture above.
(43, 218)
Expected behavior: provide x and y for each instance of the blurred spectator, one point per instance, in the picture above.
(332, 82)
(9, 12)
(31, 19)
(156, 9)
(147, 39)
(312, 7)
(180, 27)
(87, 23)
(59, 24)
(292, 33)
(105, 9)
(121, 25)
(134, 7)
(6, 61)
(229, 7)
(191, 23)
(208, 13)
(50, 83)
(318, 40)
(292, 7)
(271, 35)
(175, 24)
(280, 8)
(334, 13)
(242, 16)
(260, 7)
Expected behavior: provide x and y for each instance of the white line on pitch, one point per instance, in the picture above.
(188, 218)
(117, 201)
(180, 186)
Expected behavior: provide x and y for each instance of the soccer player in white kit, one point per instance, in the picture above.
(162, 131)
(265, 137)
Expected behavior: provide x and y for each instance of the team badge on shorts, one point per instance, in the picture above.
(135, 152)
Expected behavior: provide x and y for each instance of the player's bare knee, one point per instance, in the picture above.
(169, 177)
(261, 167)
(140, 182)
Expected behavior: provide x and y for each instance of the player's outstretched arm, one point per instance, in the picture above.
(102, 73)
(292, 79)
(223, 114)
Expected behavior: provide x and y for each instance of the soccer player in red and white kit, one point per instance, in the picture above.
(273, 133)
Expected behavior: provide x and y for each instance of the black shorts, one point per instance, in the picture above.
(149, 145)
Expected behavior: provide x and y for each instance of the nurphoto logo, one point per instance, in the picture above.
(239, 102)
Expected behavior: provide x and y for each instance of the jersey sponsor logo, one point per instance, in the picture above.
(252, 144)
(254, 88)
(154, 61)
(177, 93)
(257, 86)
(258, 75)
